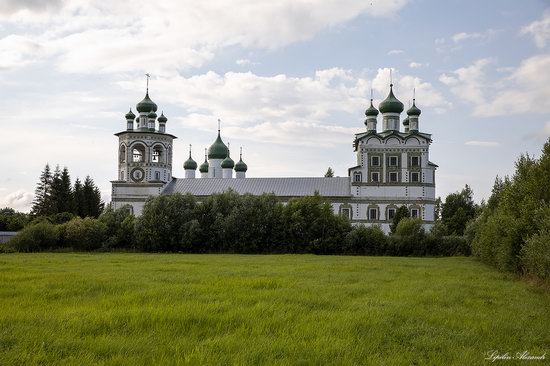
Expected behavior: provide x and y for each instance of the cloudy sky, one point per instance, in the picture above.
(290, 80)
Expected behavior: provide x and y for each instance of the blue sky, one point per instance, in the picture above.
(290, 80)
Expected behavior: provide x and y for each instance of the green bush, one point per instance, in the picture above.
(363, 240)
(535, 255)
(408, 239)
(83, 234)
(35, 238)
(120, 227)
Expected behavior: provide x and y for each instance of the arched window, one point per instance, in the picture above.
(138, 153)
(122, 154)
(157, 155)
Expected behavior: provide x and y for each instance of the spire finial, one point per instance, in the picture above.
(241, 153)
(414, 95)
(219, 125)
(189, 151)
(148, 76)
(391, 79)
(370, 95)
(228, 147)
(205, 154)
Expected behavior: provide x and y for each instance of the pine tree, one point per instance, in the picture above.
(42, 193)
(65, 192)
(78, 199)
(329, 173)
(53, 198)
(93, 205)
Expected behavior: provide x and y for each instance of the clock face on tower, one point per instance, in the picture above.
(137, 174)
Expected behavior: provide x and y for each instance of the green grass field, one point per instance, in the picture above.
(141, 309)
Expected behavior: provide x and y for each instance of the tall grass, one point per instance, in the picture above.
(141, 309)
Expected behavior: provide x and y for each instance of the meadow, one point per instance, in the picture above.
(142, 309)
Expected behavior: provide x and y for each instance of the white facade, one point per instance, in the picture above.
(392, 170)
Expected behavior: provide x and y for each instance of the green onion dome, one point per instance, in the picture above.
(192, 164)
(130, 115)
(241, 166)
(228, 163)
(391, 104)
(414, 110)
(217, 150)
(371, 111)
(204, 167)
(146, 105)
(162, 118)
(152, 115)
(406, 121)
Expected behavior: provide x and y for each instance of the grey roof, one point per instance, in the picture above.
(283, 187)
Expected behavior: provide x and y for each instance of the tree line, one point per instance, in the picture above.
(512, 230)
(55, 194)
(232, 223)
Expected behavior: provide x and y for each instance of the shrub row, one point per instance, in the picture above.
(232, 223)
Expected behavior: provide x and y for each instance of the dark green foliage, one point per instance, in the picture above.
(510, 231)
(535, 255)
(93, 205)
(363, 240)
(83, 234)
(459, 208)
(408, 238)
(162, 224)
(55, 195)
(120, 227)
(34, 238)
(11, 220)
(41, 202)
(401, 213)
(329, 173)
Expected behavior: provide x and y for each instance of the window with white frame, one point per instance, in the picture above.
(375, 177)
(415, 177)
(414, 213)
(346, 212)
(357, 177)
(373, 214)
(415, 160)
(375, 161)
(393, 177)
(391, 213)
(157, 175)
(393, 161)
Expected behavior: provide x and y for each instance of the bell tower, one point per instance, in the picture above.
(144, 156)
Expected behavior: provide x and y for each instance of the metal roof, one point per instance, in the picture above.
(283, 187)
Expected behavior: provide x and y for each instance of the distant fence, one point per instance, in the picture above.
(5, 236)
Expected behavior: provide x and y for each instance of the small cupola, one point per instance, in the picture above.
(372, 114)
(241, 167)
(203, 169)
(190, 166)
(162, 122)
(130, 120)
(414, 114)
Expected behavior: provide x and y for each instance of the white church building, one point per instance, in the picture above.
(393, 168)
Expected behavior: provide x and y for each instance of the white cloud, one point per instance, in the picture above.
(426, 94)
(524, 90)
(93, 36)
(19, 200)
(464, 36)
(482, 143)
(417, 65)
(18, 51)
(539, 30)
(546, 129)
(242, 62)
(284, 109)
(396, 52)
